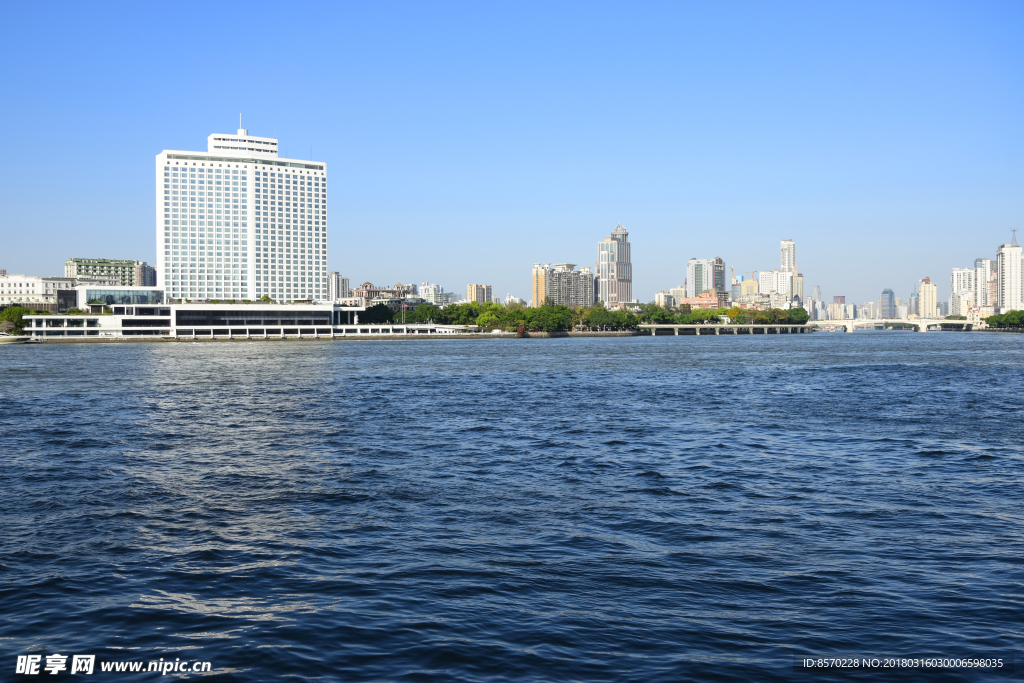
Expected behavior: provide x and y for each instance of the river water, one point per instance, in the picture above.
(649, 509)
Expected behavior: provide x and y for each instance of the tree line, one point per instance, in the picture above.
(1008, 319)
(551, 318)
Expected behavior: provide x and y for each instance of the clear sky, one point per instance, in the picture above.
(467, 141)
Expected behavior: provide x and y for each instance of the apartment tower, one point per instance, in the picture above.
(614, 269)
(478, 293)
(983, 281)
(240, 222)
(1009, 274)
(129, 273)
(337, 286)
(563, 285)
(927, 299)
(788, 257)
(961, 291)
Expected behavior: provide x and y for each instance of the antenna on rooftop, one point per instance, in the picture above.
(1014, 240)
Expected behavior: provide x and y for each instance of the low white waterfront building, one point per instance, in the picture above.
(256, 320)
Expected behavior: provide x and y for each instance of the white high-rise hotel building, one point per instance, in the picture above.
(238, 222)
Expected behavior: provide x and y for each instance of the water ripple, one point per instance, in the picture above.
(656, 509)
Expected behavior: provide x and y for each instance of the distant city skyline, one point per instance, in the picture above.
(462, 157)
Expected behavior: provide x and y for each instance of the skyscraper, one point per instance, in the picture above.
(540, 284)
(705, 274)
(614, 269)
(887, 304)
(927, 298)
(1009, 274)
(337, 286)
(788, 256)
(961, 280)
(213, 242)
(961, 290)
(982, 281)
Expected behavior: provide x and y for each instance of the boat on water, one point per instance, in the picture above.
(12, 339)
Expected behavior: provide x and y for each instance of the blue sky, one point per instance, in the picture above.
(467, 141)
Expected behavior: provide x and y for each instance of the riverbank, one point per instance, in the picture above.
(479, 336)
(402, 334)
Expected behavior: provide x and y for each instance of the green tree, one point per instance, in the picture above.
(551, 318)
(652, 313)
(698, 316)
(266, 299)
(738, 316)
(423, 313)
(1008, 319)
(798, 316)
(601, 318)
(515, 316)
(13, 315)
(488, 320)
(377, 315)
